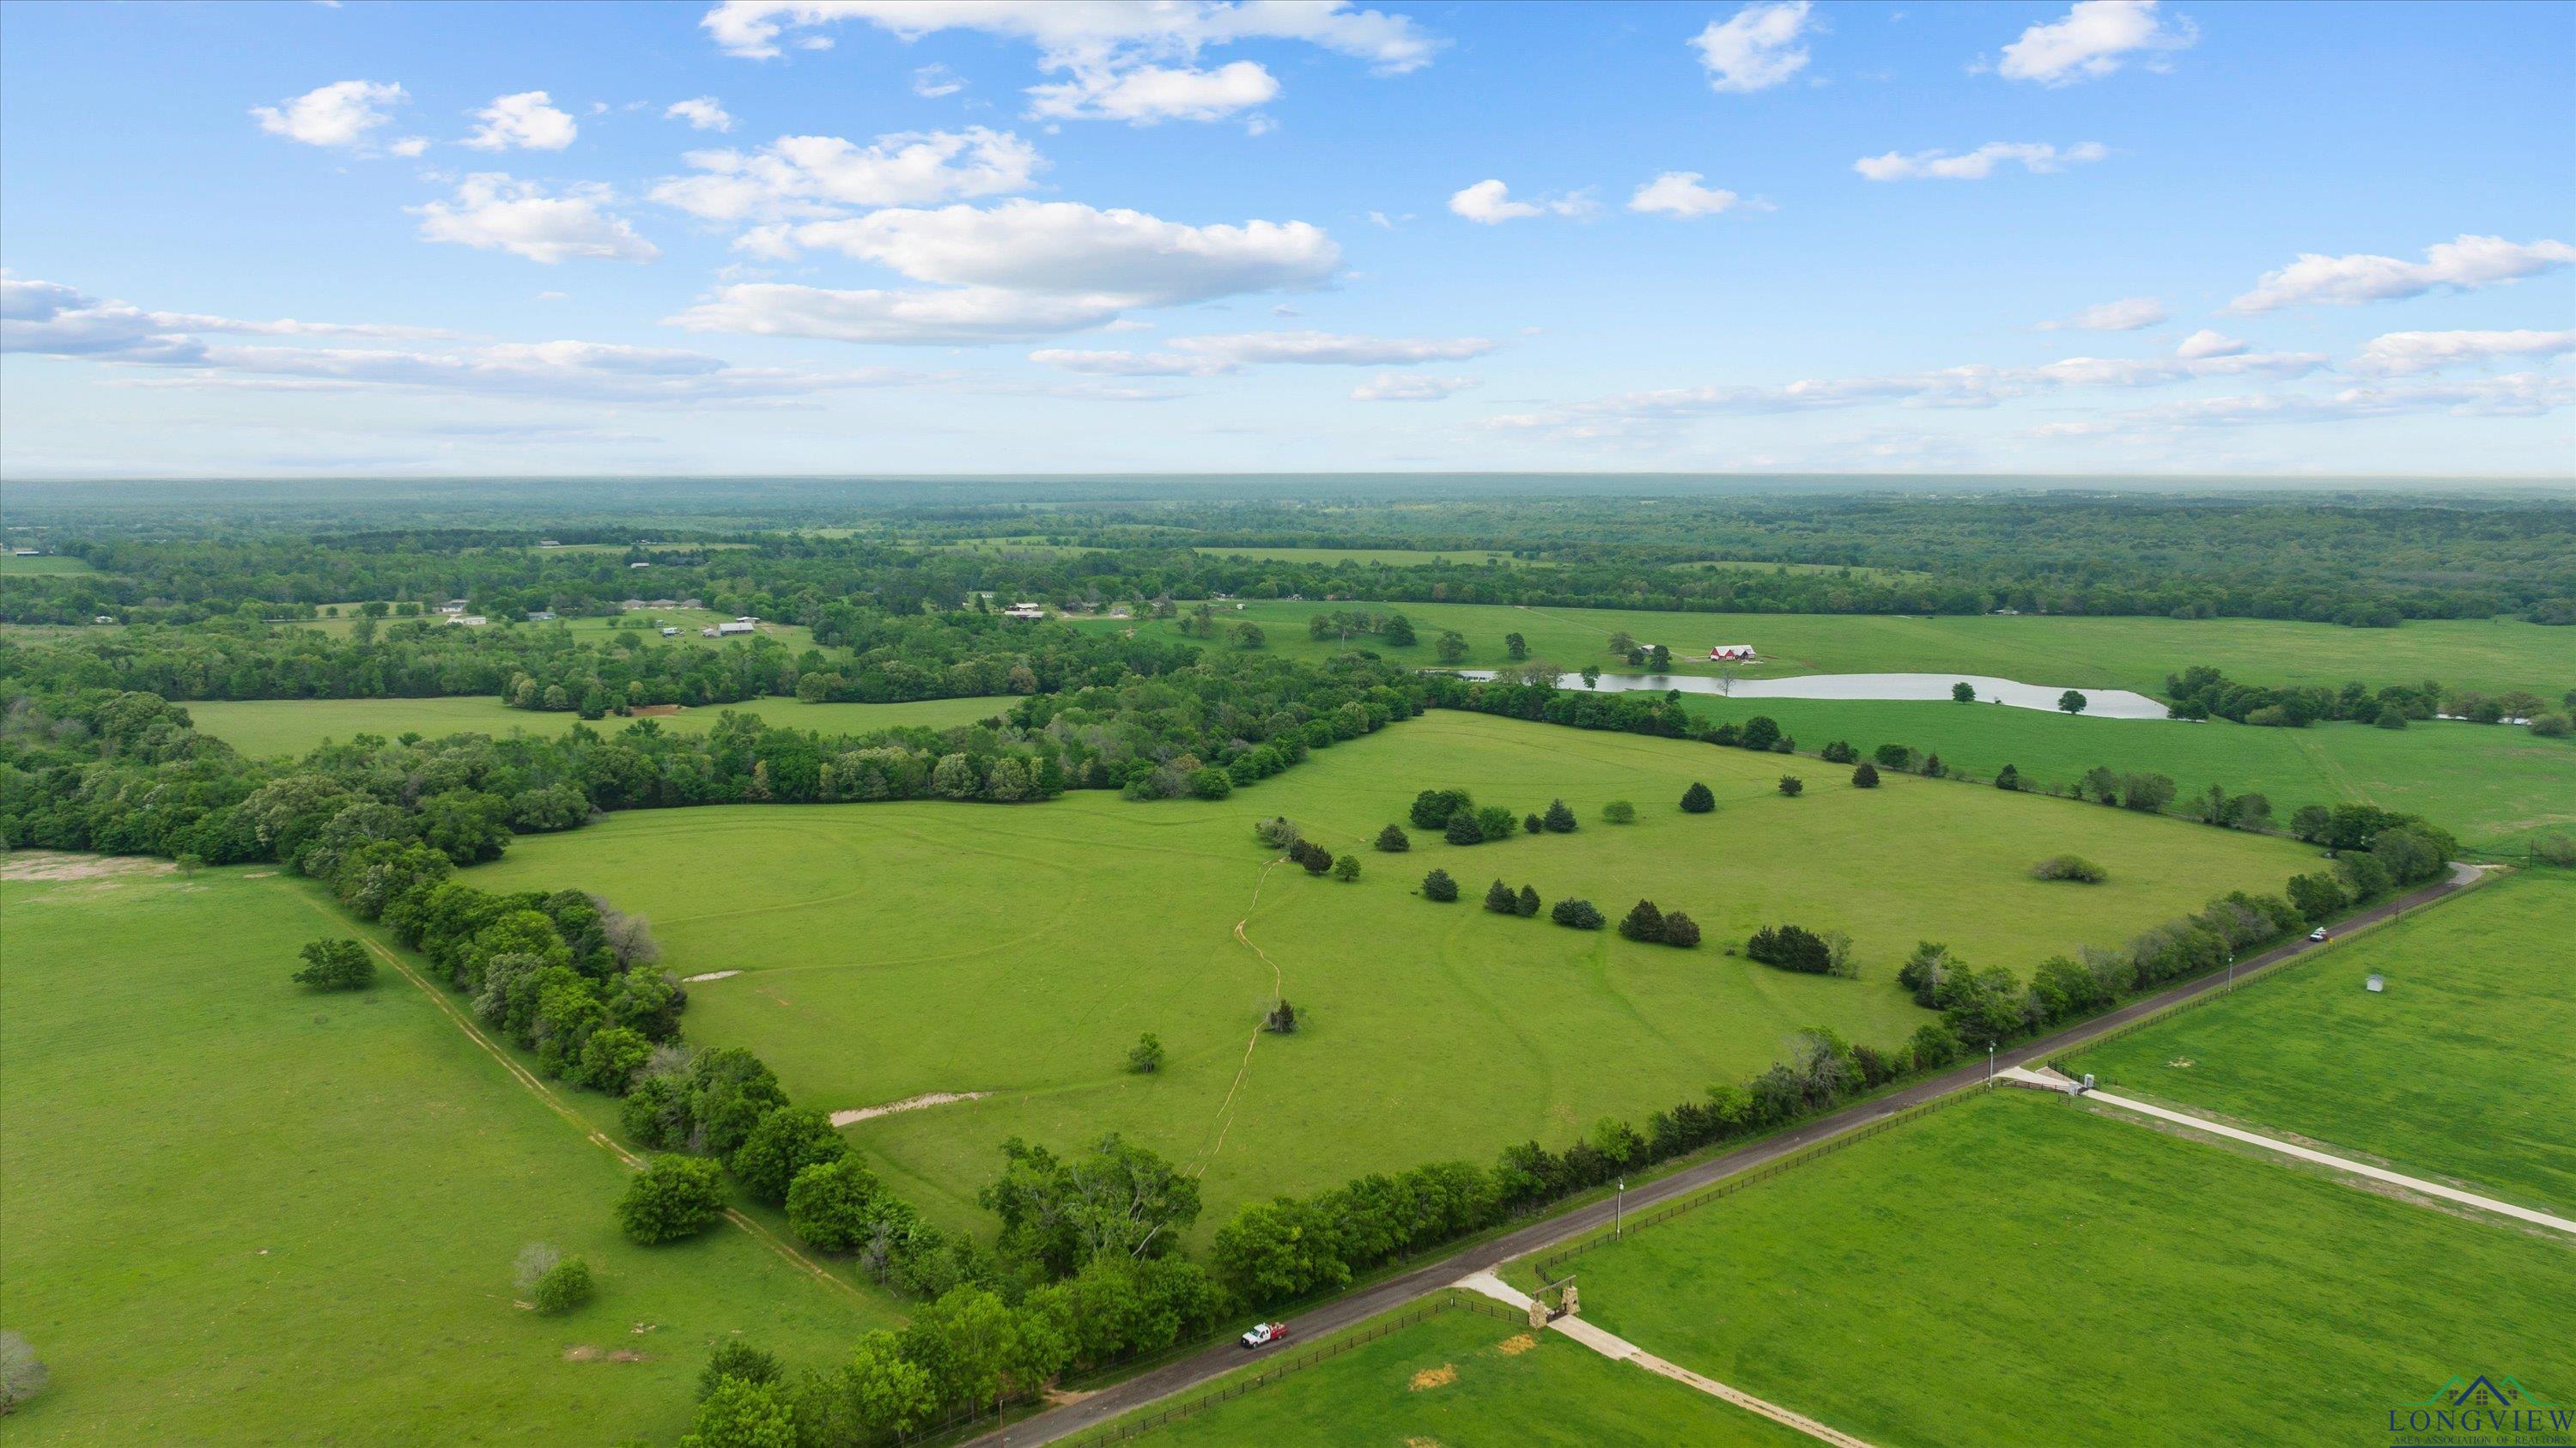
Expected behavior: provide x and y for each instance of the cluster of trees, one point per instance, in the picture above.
(2202, 692)
(1461, 821)
(1659, 927)
(1347, 624)
(1795, 947)
(1502, 899)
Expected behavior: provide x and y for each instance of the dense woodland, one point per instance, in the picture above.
(2366, 562)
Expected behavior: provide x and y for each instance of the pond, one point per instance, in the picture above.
(2098, 703)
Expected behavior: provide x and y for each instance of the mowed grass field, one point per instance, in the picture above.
(43, 565)
(238, 1212)
(2495, 786)
(1462, 1379)
(2021, 1269)
(2460, 1070)
(261, 727)
(893, 950)
(1392, 557)
(2083, 653)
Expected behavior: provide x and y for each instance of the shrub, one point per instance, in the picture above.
(22, 1373)
(1680, 929)
(1576, 914)
(1278, 832)
(1495, 822)
(673, 1197)
(566, 1286)
(1791, 785)
(1934, 1045)
(1393, 841)
(1759, 733)
(1282, 1020)
(1643, 922)
(2069, 867)
(1697, 799)
(1500, 899)
(1347, 868)
(1619, 812)
(1438, 886)
(1525, 904)
(738, 1414)
(534, 1261)
(1840, 752)
(1463, 829)
(2552, 726)
(336, 965)
(1313, 856)
(1146, 1056)
(2554, 850)
(1791, 947)
(2010, 778)
(1531, 824)
(1865, 777)
(1558, 819)
(1894, 756)
(1963, 692)
(741, 1362)
(2392, 719)
(1211, 783)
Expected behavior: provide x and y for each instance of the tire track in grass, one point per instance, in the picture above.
(786, 1250)
(1278, 989)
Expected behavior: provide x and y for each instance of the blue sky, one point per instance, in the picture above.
(804, 236)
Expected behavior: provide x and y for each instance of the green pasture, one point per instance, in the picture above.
(259, 727)
(43, 565)
(2460, 1069)
(238, 1212)
(892, 950)
(2493, 785)
(1388, 557)
(1463, 1379)
(2022, 1269)
(2082, 653)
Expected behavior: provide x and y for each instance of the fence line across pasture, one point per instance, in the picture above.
(1547, 1265)
(1320, 1352)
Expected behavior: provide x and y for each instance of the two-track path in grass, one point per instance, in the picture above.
(538, 1088)
(1209, 1363)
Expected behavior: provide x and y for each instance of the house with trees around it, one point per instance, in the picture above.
(1731, 654)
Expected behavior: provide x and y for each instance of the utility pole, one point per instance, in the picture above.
(1990, 1065)
(1618, 1202)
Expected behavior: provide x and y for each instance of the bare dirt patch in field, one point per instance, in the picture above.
(655, 711)
(1439, 1377)
(1515, 1346)
(710, 975)
(48, 865)
(909, 1103)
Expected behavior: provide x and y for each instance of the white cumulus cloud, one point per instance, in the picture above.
(1680, 193)
(2463, 264)
(527, 121)
(339, 114)
(1978, 164)
(1020, 269)
(702, 114)
(2210, 343)
(2401, 353)
(2125, 315)
(48, 318)
(1756, 48)
(1218, 355)
(1489, 203)
(2092, 40)
(1399, 387)
(811, 176)
(493, 212)
(1145, 94)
